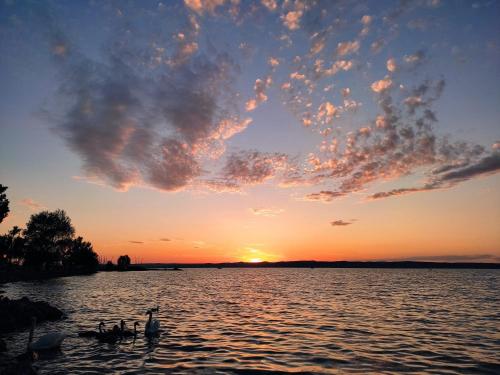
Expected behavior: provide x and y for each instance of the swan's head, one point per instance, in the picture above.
(136, 324)
(101, 324)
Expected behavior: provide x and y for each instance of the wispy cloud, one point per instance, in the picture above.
(267, 211)
(30, 203)
(340, 223)
(454, 175)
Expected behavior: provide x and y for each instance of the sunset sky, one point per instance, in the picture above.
(212, 130)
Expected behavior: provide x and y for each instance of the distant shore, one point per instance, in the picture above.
(321, 264)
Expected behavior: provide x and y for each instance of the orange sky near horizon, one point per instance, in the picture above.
(186, 227)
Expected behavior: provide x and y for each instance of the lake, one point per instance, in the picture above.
(274, 320)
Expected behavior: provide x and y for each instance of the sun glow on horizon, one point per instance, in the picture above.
(255, 260)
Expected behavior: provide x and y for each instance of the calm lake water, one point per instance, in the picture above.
(298, 320)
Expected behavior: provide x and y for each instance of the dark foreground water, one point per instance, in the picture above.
(299, 320)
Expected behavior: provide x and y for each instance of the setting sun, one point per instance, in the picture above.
(255, 260)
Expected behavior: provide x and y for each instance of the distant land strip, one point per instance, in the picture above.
(336, 264)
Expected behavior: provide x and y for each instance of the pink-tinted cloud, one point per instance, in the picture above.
(30, 203)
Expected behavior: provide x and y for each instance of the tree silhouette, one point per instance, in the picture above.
(123, 262)
(4, 203)
(12, 246)
(48, 237)
(81, 256)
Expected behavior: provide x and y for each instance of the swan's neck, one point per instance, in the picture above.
(32, 330)
(150, 318)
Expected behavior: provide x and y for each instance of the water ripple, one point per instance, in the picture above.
(275, 321)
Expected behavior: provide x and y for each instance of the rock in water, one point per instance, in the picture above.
(17, 314)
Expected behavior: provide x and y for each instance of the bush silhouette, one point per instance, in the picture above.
(123, 262)
(81, 256)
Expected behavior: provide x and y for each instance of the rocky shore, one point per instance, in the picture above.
(16, 314)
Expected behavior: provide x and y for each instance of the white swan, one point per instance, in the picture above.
(50, 341)
(152, 325)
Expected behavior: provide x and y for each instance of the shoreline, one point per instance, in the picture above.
(327, 264)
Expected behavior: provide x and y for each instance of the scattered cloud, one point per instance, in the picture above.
(161, 114)
(382, 85)
(260, 87)
(252, 167)
(391, 65)
(136, 242)
(203, 6)
(292, 19)
(346, 48)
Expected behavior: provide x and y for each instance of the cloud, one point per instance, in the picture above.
(399, 141)
(346, 48)
(416, 58)
(165, 239)
(270, 4)
(391, 65)
(260, 87)
(202, 6)
(401, 191)
(340, 223)
(252, 167)
(292, 19)
(136, 242)
(486, 166)
(381, 85)
(131, 127)
(273, 62)
(267, 211)
(160, 114)
(30, 203)
(324, 196)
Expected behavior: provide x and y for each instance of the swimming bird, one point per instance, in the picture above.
(152, 325)
(91, 333)
(49, 341)
(127, 333)
(110, 336)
